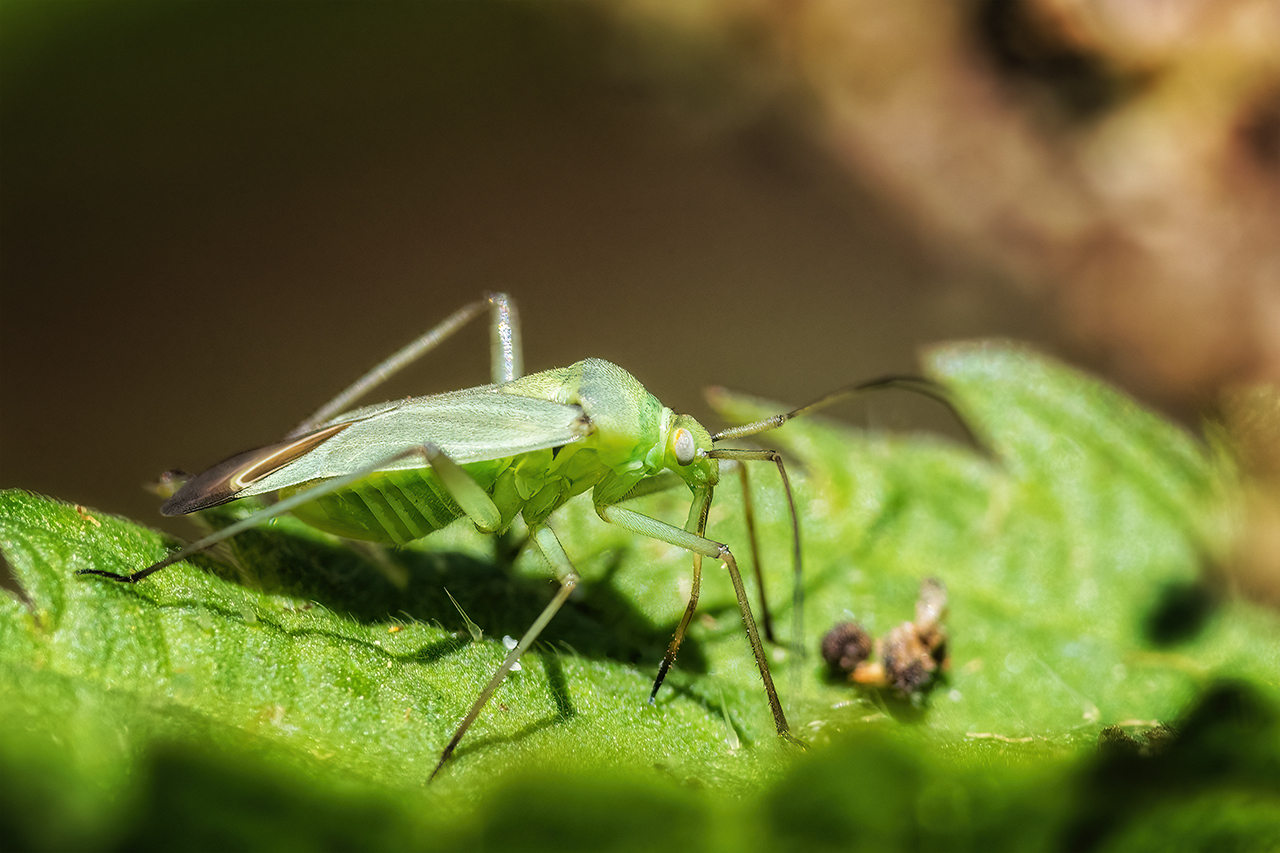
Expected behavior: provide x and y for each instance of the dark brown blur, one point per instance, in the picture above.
(1122, 157)
(213, 216)
(1119, 159)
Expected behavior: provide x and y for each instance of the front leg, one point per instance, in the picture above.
(663, 532)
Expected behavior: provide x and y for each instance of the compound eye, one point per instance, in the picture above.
(683, 445)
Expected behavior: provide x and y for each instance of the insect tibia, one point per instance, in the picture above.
(139, 575)
(663, 668)
(674, 647)
(111, 575)
(504, 338)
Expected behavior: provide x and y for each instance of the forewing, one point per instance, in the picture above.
(469, 426)
(231, 478)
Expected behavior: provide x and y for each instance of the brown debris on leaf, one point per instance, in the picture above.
(845, 647)
(910, 656)
(1115, 741)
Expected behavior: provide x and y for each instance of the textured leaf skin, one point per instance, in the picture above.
(297, 692)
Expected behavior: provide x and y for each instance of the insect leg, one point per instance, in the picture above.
(473, 500)
(697, 524)
(797, 601)
(749, 513)
(651, 527)
(669, 480)
(549, 546)
(663, 482)
(505, 350)
(470, 497)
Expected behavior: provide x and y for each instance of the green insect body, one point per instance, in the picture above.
(524, 445)
(625, 435)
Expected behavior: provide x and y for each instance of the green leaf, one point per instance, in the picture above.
(1076, 548)
(1061, 548)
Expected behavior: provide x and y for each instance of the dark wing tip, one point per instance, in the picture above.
(225, 481)
(211, 488)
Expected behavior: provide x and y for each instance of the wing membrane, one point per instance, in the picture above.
(231, 478)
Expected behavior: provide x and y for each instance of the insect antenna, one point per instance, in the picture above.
(905, 382)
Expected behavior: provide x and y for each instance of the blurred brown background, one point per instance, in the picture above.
(215, 215)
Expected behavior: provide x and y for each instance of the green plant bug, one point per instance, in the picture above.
(522, 445)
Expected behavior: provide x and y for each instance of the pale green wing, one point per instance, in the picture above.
(469, 426)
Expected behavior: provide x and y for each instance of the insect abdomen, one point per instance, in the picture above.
(392, 507)
(396, 507)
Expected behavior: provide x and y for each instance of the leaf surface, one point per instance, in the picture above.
(1075, 544)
